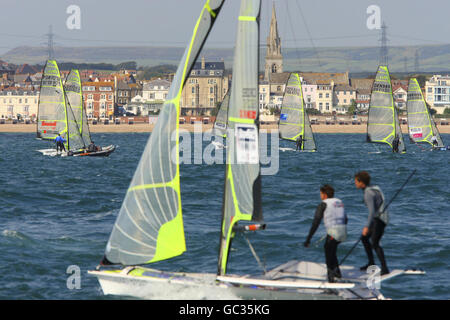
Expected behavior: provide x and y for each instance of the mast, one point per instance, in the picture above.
(242, 193)
(149, 226)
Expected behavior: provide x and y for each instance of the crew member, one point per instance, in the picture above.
(299, 142)
(332, 211)
(60, 143)
(376, 222)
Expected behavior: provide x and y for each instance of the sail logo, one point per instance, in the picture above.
(48, 124)
(416, 132)
(73, 22)
(248, 114)
(374, 20)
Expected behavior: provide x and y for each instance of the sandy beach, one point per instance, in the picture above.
(145, 127)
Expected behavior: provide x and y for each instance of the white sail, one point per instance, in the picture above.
(421, 126)
(149, 227)
(383, 125)
(242, 194)
(52, 115)
(220, 124)
(294, 121)
(74, 98)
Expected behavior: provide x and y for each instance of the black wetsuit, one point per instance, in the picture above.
(330, 246)
(373, 201)
(299, 143)
(395, 144)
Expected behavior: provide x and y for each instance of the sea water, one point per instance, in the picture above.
(56, 214)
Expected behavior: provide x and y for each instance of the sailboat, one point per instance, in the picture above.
(79, 130)
(421, 126)
(149, 227)
(221, 122)
(382, 124)
(294, 121)
(60, 111)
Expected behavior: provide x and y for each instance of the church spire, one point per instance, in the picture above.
(274, 59)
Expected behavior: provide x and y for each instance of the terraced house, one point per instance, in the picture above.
(205, 88)
(98, 97)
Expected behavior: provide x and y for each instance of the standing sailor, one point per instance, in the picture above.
(395, 143)
(60, 143)
(434, 141)
(376, 222)
(332, 211)
(299, 142)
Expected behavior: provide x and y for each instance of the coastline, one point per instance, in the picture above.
(145, 127)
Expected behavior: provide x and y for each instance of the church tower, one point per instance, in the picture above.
(274, 59)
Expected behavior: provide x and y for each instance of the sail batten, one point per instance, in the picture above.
(153, 197)
(383, 125)
(242, 191)
(421, 126)
(294, 121)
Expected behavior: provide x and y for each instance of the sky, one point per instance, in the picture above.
(301, 23)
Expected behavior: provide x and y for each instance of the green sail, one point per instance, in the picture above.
(294, 121)
(74, 98)
(74, 105)
(52, 115)
(421, 126)
(242, 194)
(149, 227)
(383, 125)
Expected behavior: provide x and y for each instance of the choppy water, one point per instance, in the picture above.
(58, 212)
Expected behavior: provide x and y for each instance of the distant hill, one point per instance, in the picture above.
(354, 59)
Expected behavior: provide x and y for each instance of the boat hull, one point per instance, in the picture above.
(292, 280)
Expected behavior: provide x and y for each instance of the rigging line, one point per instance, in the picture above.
(309, 33)
(293, 34)
(254, 254)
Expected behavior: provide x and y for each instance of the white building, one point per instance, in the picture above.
(437, 92)
(155, 90)
(15, 102)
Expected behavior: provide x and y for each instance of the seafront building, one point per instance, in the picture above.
(18, 103)
(205, 88)
(98, 98)
(437, 92)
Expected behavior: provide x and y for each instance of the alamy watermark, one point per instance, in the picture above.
(74, 280)
(73, 21)
(374, 279)
(374, 19)
(246, 146)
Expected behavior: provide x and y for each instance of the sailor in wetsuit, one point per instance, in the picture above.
(299, 142)
(332, 211)
(376, 222)
(60, 143)
(91, 147)
(395, 143)
(434, 141)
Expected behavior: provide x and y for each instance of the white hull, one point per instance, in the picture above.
(52, 152)
(292, 280)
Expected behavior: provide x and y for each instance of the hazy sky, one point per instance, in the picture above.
(170, 22)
